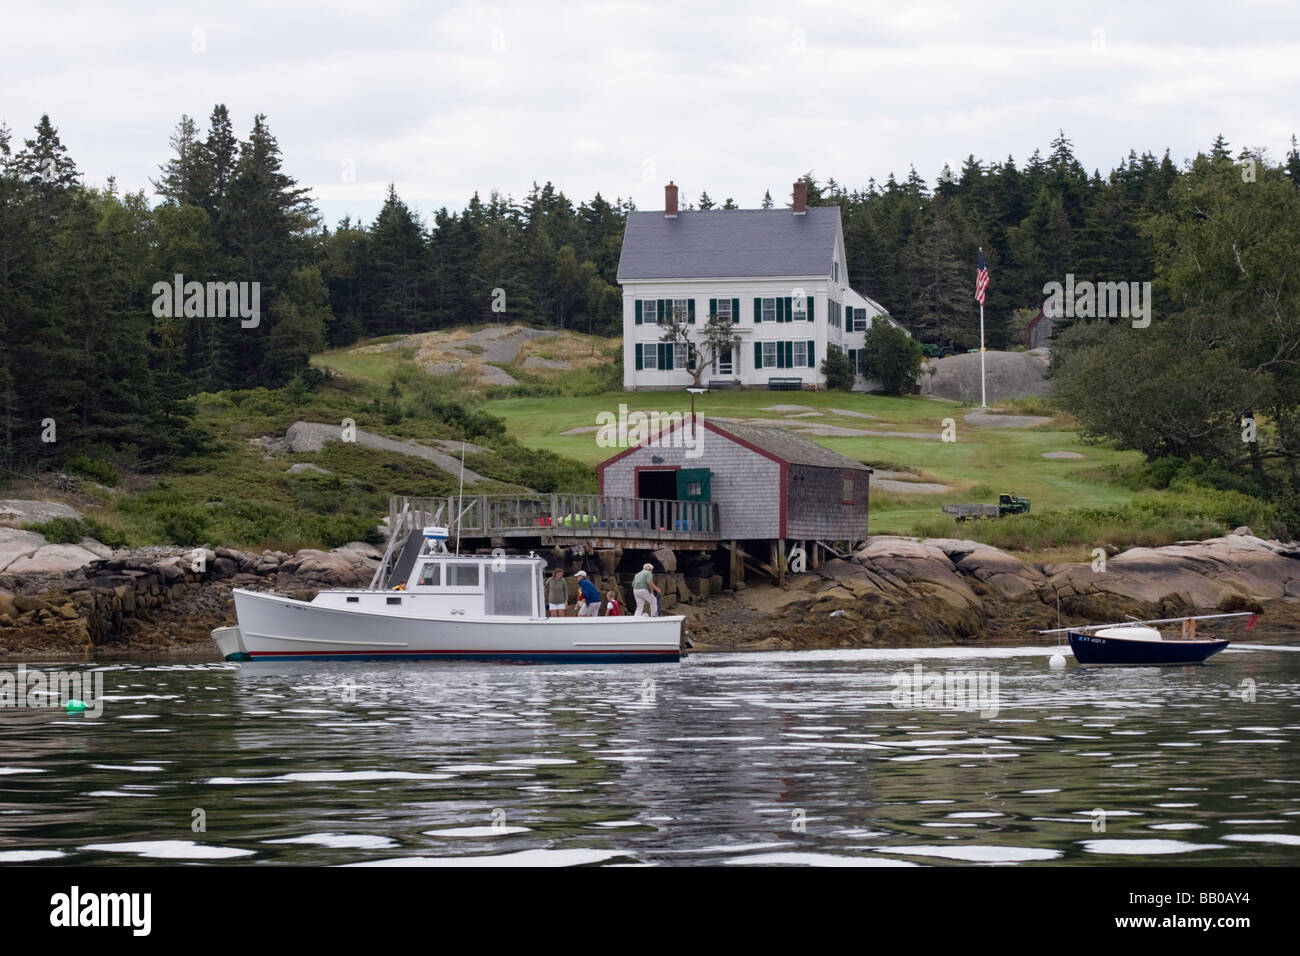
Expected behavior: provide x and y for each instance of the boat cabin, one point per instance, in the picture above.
(443, 583)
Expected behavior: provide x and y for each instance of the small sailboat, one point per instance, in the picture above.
(446, 606)
(1141, 643)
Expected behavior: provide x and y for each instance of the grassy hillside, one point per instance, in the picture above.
(536, 428)
(981, 463)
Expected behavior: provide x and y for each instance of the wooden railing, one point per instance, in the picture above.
(563, 515)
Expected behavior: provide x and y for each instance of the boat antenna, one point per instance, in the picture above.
(460, 511)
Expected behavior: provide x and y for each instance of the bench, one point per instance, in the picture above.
(720, 383)
(783, 384)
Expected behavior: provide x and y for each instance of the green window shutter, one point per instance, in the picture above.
(789, 354)
(780, 355)
(638, 311)
(638, 356)
(690, 311)
(665, 357)
(690, 357)
(735, 311)
(808, 301)
(853, 360)
(780, 309)
(713, 307)
(789, 308)
(758, 355)
(758, 310)
(659, 308)
(812, 355)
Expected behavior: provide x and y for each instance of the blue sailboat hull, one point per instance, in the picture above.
(1092, 649)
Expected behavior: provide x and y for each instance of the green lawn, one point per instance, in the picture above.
(376, 368)
(982, 462)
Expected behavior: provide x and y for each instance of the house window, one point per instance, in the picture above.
(859, 320)
(679, 356)
(846, 495)
(649, 355)
(799, 308)
(769, 313)
(835, 270)
(769, 355)
(800, 354)
(724, 310)
(680, 309)
(650, 311)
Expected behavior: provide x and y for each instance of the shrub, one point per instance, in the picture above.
(182, 525)
(892, 356)
(838, 370)
(72, 530)
(94, 468)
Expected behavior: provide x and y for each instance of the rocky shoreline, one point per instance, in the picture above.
(892, 592)
(906, 592)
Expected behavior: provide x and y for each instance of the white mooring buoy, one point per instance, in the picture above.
(1057, 662)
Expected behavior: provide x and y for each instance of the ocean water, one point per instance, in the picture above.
(840, 758)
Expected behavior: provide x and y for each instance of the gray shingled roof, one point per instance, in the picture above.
(728, 242)
(788, 446)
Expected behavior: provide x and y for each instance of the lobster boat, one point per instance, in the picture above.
(1141, 643)
(441, 606)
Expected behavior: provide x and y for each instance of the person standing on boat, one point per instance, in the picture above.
(557, 594)
(612, 607)
(588, 596)
(642, 586)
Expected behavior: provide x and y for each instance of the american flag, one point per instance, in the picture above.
(981, 278)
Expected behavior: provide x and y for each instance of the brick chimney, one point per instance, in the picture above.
(800, 197)
(670, 201)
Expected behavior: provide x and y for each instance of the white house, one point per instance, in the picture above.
(777, 274)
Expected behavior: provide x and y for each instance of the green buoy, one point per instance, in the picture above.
(76, 706)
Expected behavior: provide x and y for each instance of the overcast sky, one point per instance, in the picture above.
(443, 99)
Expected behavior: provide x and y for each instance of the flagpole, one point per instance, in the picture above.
(983, 402)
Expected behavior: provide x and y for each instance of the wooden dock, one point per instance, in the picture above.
(604, 521)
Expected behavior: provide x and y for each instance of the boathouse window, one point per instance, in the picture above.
(431, 575)
(846, 496)
(462, 575)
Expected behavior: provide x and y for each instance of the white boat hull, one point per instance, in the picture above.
(274, 627)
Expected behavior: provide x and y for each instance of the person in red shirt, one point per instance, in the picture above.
(612, 607)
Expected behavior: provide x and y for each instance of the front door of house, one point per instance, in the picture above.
(725, 364)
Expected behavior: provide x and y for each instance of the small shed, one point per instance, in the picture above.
(1038, 334)
(768, 482)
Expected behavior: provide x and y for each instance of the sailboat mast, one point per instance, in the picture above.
(460, 511)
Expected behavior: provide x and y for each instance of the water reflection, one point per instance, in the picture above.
(744, 759)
